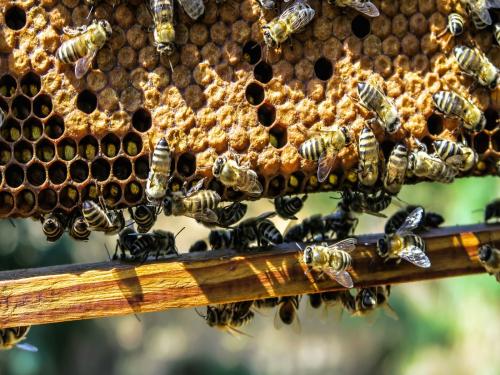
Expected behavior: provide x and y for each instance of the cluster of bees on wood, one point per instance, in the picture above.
(377, 186)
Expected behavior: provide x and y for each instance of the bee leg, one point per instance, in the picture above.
(443, 32)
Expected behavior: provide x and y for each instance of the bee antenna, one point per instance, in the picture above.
(109, 254)
(12, 222)
(199, 314)
(301, 249)
(179, 232)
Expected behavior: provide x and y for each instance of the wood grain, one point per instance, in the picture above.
(85, 291)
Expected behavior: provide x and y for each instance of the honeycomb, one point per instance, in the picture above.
(222, 89)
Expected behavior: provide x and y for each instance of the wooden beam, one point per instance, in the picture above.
(85, 291)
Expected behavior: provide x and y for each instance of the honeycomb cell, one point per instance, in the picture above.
(491, 119)
(141, 167)
(23, 151)
(10, 130)
(47, 200)
(88, 147)
(481, 142)
(69, 196)
(133, 192)
(25, 201)
(252, 52)
(54, 127)
(15, 18)
(112, 193)
(32, 129)
(323, 69)
(254, 93)
(42, 106)
(8, 86)
(90, 192)
(36, 174)
(266, 114)
(5, 153)
(14, 175)
(360, 26)
(186, 165)
(31, 84)
(79, 171)
(86, 101)
(21, 107)
(278, 136)
(110, 145)
(276, 186)
(141, 120)
(100, 169)
(132, 144)
(263, 72)
(6, 203)
(122, 168)
(66, 149)
(58, 172)
(435, 124)
(295, 182)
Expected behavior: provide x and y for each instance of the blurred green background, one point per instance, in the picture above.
(445, 326)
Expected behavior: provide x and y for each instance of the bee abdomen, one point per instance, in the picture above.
(71, 50)
(161, 157)
(270, 233)
(456, 24)
(312, 148)
(445, 149)
(368, 95)
(79, 229)
(414, 240)
(205, 199)
(143, 245)
(95, 217)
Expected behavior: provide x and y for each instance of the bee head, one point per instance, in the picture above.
(493, 84)
(166, 48)
(485, 252)
(308, 255)
(218, 165)
(368, 299)
(167, 206)
(347, 135)
(382, 246)
(268, 39)
(106, 27)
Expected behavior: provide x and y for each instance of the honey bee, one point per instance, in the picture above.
(100, 220)
(140, 245)
(325, 148)
(368, 151)
(455, 25)
(266, 303)
(364, 6)
(193, 8)
(159, 174)
(455, 154)
(292, 20)
(421, 164)
(334, 260)
(403, 244)
(479, 11)
(10, 337)
(144, 216)
(198, 246)
(395, 171)
(238, 177)
(229, 316)
(497, 32)
(53, 226)
(489, 257)
(474, 63)
(454, 105)
(231, 214)
(288, 207)
(287, 313)
(429, 220)
(492, 210)
(84, 45)
(369, 299)
(163, 19)
(374, 100)
(78, 228)
(267, 233)
(342, 221)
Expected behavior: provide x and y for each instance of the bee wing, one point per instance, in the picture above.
(298, 15)
(343, 278)
(195, 188)
(415, 255)
(325, 164)
(82, 65)
(255, 187)
(74, 31)
(205, 216)
(493, 3)
(349, 244)
(455, 161)
(191, 7)
(390, 312)
(278, 323)
(481, 10)
(412, 221)
(365, 7)
(27, 347)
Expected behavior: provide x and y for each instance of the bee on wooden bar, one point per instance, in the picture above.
(395, 170)
(12, 337)
(334, 260)
(198, 246)
(454, 105)
(292, 20)
(78, 227)
(288, 207)
(368, 151)
(230, 173)
(193, 8)
(325, 148)
(429, 220)
(374, 100)
(53, 226)
(492, 210)
(144, 216)
(479, 11)
(455, 25)
(475, 63)
(369, 299)
(266, 303)
(100, 220)
(403, 244)
(489, 257)
(287, 313)
(229, 317)
(84, 45)
(363, 6)
(159, 241)
(268, 233)
(159, 174)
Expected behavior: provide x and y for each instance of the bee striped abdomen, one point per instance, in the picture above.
(79, 229)
(205, 199)
(52, 227)
(95, 216)
(448, 102)
(467, 58)
(369, 96)
(270, 233)
(368, 157)
(145, 217)
(340, 260)
(143, 245)
(162, 10)
(312, 148)
(161, 158)
(456, 24)
(72, 50)
(445, 149)
(414, 240)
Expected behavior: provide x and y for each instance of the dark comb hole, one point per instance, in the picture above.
(263, 72)
(11, 130)
(176, 184)
(491, 119)
(216, 186)
(8, 85)
(42, 106)
(132, 144)
(25, 201)
(69, 196)
(110, 145)
(14, 175)
(141, 120)
(88, 147)
(133, 192)
(6, 202)
(21, 107)
(481, 142)
(4, 106)
(266, 114)
(428, 142)
(66, 149)
(387, 147)
(141, 167)
(360, 26)
(86, 101)
(100, 169)
(277, 136)
(36, 174)
(79, 171)
(58, 172)
(276, 186)
(112, 193)
(254, 93)
(435, 124)
(5, 153)
(15, 18)
(23, 152)
(122, 168)
(186, 165)
(323, 69)
(47, 199)
(252, 52)
(54, 127)
(45, 150)
(32, 129)
(495, 141)
(30, 84)
(295, 182)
